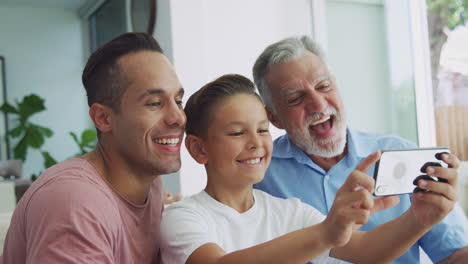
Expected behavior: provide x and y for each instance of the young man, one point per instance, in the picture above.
(105, 206)
(314, 158)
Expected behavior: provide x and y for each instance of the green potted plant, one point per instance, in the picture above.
(29, 134)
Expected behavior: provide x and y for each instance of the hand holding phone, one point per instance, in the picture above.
(398, 171)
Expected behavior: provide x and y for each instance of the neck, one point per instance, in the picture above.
(327, 163)
(240, 199)
(128, 182)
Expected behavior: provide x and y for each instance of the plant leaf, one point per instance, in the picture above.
(48, 160)
(30, 105)
(46, 132)
(35, 139)
(88, 138)
(20, 149)
(75, 138)
(17, 131)
(8, 108)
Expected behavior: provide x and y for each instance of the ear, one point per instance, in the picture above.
(101, 116)
(196, 149)
(273, 119)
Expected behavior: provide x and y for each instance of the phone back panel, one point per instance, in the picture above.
(396, 170)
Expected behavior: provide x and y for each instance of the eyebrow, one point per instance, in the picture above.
(322, 78)
(240, 123)
(158, 91)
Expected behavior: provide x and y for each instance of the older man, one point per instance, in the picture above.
(318, 152)
(105, 206)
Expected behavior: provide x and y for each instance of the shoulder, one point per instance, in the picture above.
(185, 226)
(68, 190)
(184, 213)
(64, 209)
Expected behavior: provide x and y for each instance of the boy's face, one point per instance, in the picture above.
(148, 129)
(238, 142)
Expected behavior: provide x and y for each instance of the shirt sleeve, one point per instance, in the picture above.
(70, 221)
(447, 236)
(183, 230)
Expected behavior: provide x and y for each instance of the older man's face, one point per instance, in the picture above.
(308, 105)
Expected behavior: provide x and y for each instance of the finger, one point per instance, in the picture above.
(359, 216)
(449, 174)
(368, 162)
(363, 180)
(440, 188)
(364, 200)
(357, 180)
(451, 160)
(360, 199)
(441, 202)
(354, 216)
(381, 203)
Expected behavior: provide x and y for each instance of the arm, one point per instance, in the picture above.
(352, 206)
(460, 256)
(295, 247)
(390, 240)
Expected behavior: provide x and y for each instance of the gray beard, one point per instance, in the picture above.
(326, 148)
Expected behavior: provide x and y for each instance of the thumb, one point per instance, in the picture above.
(381, 203)
(368, 162)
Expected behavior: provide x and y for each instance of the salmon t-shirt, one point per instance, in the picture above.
(70, 214)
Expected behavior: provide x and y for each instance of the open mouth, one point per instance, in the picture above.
(322, 125)
(251, 161)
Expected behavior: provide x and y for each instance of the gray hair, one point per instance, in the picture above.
(285, 50)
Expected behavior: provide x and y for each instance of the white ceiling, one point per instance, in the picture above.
(68, 4)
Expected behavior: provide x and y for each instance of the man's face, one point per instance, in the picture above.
(149, 126)
(308, 105)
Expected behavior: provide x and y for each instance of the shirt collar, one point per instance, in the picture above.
(356, 146)
(284, 148)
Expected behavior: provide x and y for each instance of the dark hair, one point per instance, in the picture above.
(102, 77)
(199, 106)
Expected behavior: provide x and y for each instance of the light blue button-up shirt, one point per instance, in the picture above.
(293, 174)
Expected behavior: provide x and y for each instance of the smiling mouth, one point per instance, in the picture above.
(323, 124)
(253, 161)
(167, 141)
(321, 120)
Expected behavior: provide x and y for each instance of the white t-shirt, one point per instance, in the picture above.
(200, 219)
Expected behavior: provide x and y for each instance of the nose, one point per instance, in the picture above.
(254, 142)
(315, 102)
(175, 116)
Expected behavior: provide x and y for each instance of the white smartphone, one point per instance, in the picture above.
(396, 171)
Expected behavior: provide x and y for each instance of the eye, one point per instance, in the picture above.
(180, 103)
(326, 86)
(236, 134)
(262, 131)
(154, 104)
(295, 100)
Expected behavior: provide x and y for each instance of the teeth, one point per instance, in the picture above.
(252, 161)
(167, 141)
(321, 120)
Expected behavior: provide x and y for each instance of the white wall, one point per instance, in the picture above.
(43, 48)
(215, 37)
